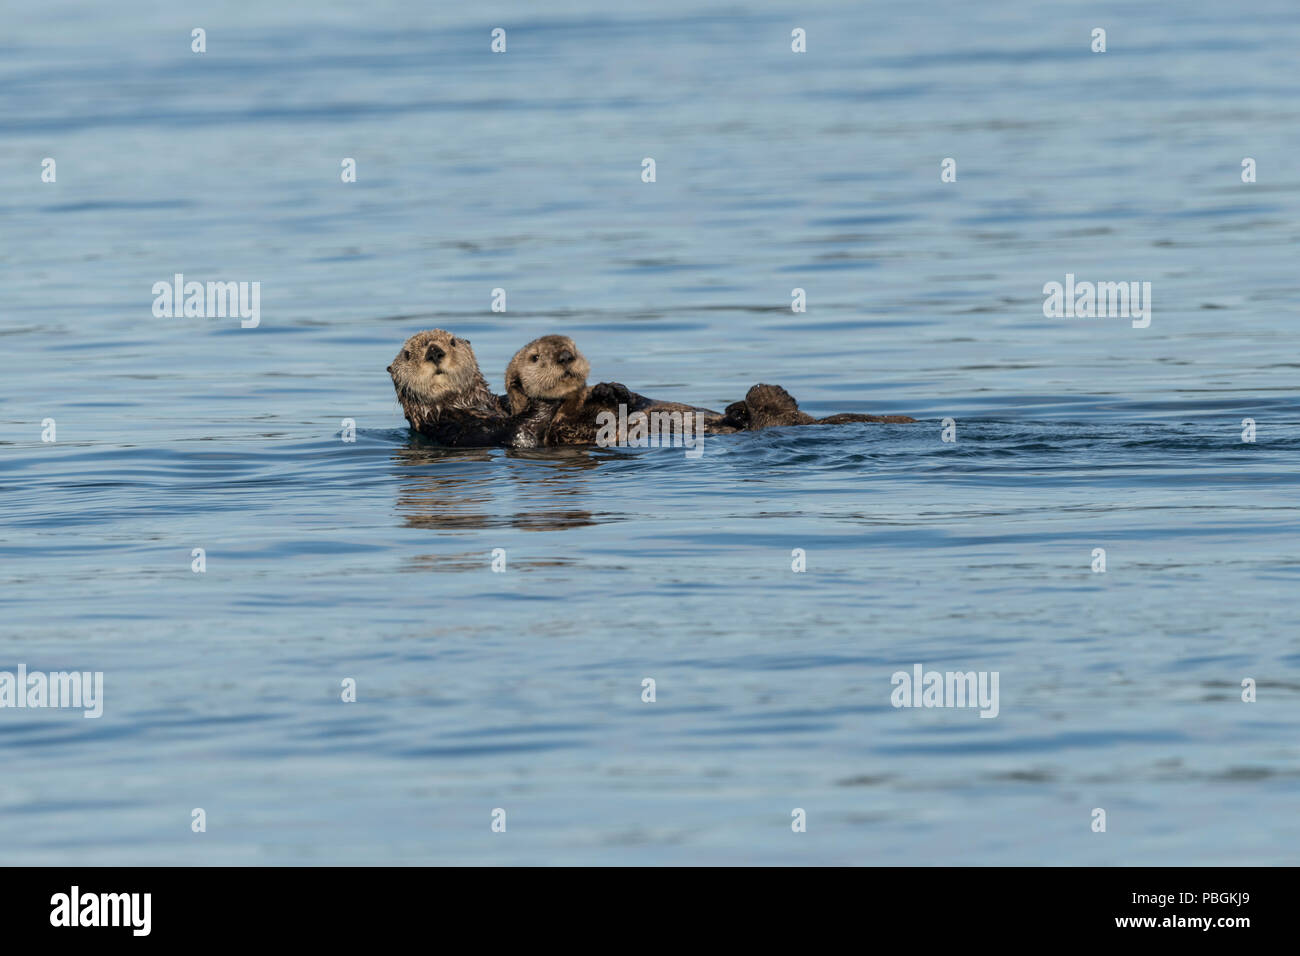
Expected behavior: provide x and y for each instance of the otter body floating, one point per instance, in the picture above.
(551, 369)
(547, 402)
(771, 406)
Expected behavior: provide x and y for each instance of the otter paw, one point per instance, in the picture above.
(610, 393)
(736, 415)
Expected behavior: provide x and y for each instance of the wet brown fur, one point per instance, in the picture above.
(551, 369)
(768, 406)
(444, 396)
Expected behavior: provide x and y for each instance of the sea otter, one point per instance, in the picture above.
(767, 406)
(548, 368)
(445, 397)
(552, 370)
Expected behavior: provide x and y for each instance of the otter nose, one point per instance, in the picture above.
(435, 353)
(565, 357)
(389, 370)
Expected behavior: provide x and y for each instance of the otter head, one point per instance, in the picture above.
(435, 370)
(549, 367)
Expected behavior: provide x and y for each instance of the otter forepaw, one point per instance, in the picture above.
(736, 415)
(610, 393)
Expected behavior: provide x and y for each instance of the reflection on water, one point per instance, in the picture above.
(463, 498)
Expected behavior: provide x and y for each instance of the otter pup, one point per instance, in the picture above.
(549, 368)
(445, 397)
(767, 406)
(552, 370)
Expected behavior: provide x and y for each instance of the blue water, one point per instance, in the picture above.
(371, 560)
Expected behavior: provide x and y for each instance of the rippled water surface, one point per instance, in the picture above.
(370, 560)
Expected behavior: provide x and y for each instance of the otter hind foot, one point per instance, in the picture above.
(769, 406)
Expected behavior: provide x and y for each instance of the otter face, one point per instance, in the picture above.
(549, 367)
(433, 368)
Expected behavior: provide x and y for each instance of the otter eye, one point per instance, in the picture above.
(453, 342)
(534, 358)
(406, 354)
